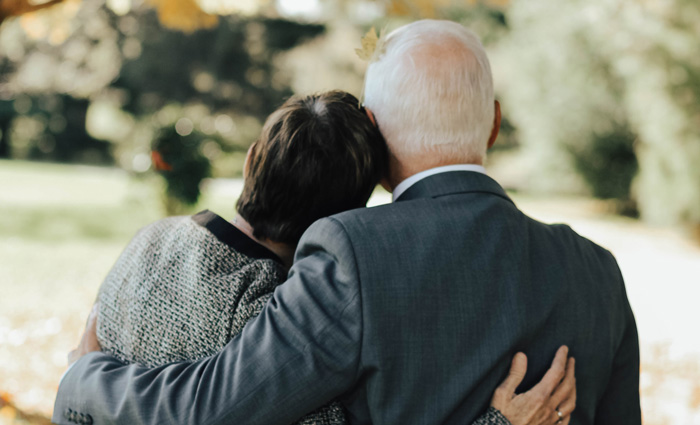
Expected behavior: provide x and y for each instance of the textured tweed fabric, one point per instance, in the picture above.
(492, 417)
(182, 288)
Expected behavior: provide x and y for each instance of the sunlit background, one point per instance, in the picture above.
(114, 113)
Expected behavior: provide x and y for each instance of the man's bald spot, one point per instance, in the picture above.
(439, 57)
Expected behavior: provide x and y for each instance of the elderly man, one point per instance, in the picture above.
(408, 312)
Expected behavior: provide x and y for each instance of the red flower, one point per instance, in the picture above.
(159, 163)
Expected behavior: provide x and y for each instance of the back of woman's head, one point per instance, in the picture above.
(317, 156)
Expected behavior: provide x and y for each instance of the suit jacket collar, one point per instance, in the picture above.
(453, 182)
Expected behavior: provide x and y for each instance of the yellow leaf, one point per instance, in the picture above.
(8, 412)
(20, 7)
(399, 8)
(369, 45)
(183, 15)
(500, 3)
(433, 8)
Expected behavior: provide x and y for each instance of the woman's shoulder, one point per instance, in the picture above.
(179, 293)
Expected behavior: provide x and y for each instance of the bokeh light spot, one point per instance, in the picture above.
(141, 163)
(184, 126)
(224, 124)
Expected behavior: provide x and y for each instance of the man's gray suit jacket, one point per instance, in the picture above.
(409, 313)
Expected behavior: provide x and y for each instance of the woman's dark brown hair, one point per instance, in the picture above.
(317, 156)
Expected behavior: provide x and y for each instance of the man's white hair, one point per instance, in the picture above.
(431, 91)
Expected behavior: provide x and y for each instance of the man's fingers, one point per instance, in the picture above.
(554, 375)
(567, 387)
(518, 368)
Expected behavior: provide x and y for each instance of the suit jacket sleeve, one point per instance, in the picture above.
(299, 353)
(620, 403)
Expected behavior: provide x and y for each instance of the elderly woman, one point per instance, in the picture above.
(185, 286)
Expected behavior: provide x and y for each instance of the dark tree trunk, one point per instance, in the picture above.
(4, 139)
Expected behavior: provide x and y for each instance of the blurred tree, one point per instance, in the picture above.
(599, 85)
(139, 77)
(563, 96)
(608, 165)
(227, 67)
(658, 57)
(177, 157)
(224, 80)
(50, 127)
(7, 112)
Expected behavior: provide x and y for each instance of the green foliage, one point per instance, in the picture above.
(608, 165)
(663, 98)
(178, 158)
(228, 68)
(50, 127)
(488, 20)
(584, 79)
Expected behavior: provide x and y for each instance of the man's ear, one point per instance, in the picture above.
(496, 125)
(248, 158)
(384, 182)
(370, 114)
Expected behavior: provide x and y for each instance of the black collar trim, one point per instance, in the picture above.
(232, 236)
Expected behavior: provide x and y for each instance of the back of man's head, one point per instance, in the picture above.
(431, 91)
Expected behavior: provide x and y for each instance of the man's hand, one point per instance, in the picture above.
(88, 342)
(549, 402)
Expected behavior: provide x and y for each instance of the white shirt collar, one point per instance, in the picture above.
(404, 185)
